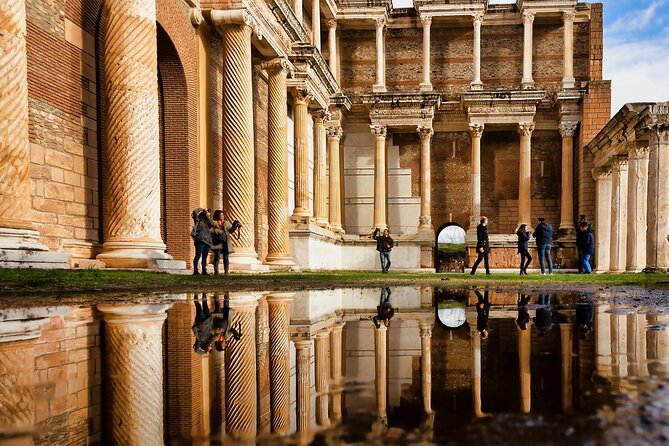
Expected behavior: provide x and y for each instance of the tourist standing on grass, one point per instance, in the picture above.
(544, 235)
(482, 313)
(585, 243)
(201, 234)
(524, 248)
(222, 242)
(384, 244)
(384, 311)
(583, 220)
(482, 245)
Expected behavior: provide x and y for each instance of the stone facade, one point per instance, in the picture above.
(114, 172)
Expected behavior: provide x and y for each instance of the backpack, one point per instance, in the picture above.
(194, 231)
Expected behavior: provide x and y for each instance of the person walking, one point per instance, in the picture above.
(583, 220)
(524, 248)
(384, 244)
(482, 313)
(482, 245)
(222, 242)
(201, 234)
(585, 243)
(544, 235)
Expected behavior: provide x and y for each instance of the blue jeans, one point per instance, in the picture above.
(585, 263)
(545, 253)
(385, 264)
(201, 251)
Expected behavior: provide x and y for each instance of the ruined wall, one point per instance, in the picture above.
(358, 61)
(451, 58)
(451, 178)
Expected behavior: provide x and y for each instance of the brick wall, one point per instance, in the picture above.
(451, 178)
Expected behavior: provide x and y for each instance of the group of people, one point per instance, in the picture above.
(213, 327)
(543, 233)
(213, 234)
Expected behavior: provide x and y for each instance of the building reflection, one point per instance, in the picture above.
(308, 360)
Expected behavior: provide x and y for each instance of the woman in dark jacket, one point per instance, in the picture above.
(201, 234)
(523, 248)
(482, 246)
(585, 243)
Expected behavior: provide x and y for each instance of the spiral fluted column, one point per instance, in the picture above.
(278, 243)
(263, 368)
(320, 169)
(381, 369)
(303, 380)
(301, 148)
(218, 409)
(380, 181)
(525, 174)
(238, 144)
(132, 223)
(334, 134)
(240, 372)
(475, 340)
(322, 344)
(279, 359)
(335, 370)
(426, 366)
(134, 352)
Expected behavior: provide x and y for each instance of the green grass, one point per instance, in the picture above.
(49, 282)
(452, 248)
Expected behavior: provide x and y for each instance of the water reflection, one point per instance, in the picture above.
(339, 366)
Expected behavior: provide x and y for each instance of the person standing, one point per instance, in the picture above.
(201, 234)
(544, 235)
(583, 220)
(524, 248)
(384, 244)
(482, 246)
(482, 312)
(585, 243)
(523, 319)
(222, 242)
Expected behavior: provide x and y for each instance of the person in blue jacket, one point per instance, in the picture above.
(585, 243)
(544, 235)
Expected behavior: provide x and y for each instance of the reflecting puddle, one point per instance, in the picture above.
(385, 366)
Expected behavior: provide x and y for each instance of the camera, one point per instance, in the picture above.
(236, 224)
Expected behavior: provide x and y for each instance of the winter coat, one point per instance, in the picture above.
(203, 228)
(383, 243)
(482, 240)
(544, 234)
(216, 324)
(585, 242)
(226, 228)
(523, 241)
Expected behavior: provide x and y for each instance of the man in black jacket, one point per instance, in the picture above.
(482, 245)
(384, 244)
(544, 235)
(585, 243)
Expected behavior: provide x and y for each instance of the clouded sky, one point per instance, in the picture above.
(636, 49)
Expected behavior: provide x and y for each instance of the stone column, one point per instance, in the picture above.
(603, 188)
(476, 368)
(297, 9)
(335, 370)
(279, 360)
(332, 47)
(525, 174)
(316, 23)
(320, 168)
(637, 208)
(334, 134)
(241, 386)
(301, 147)
(619, 344)
(322, 366)
(425, 223)
(619, 215)
(528, 22)
(134, 350)
(658, 345)
(218, 409)
(278, 243)
(426, 85)
(264, 399)
(568, 80)
(524, 354)
(476, 82)
(426, 366)
(657, 253)
(476, 132)
(566, 340)
(636, 344)
(380, 190)
(132, 223)
(602, 340)
(238, 143)
(380, 85)
(567, 129)
(380, 367)
(303, 379)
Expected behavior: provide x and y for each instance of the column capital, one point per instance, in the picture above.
(332, 23)
(323, 334)
(636, 152)
(302, 96)
(123, 313)
(425, 330)
(601, 173)
(379, 131)
(525, 128)
(477, 18)
(567, 128)
(334, 132)
(241, 17)
(278, 65)
(196, 17)
(426, 20)
(476, 130)
(619, 163)
(380, 22)
(425, 132)
(321, 116)
(528, 17)
(568, 16)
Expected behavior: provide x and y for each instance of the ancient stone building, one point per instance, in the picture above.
(311, 122)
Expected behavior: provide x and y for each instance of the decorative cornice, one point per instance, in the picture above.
(638, 152)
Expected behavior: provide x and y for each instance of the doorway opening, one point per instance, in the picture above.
(451, 250)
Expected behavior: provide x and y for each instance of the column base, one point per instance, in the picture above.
(138, 254)
(655, 269)
(246, 262)
(281, 263)
(20, 248)
(568, 83)
(634, 269)
(527, 84)
(566, 232)
(322, 222)
(379, 88)
(336, 228)
(425, 86)
(476, 86)
(300, 218)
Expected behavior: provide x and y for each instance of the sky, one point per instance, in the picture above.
(636, 49)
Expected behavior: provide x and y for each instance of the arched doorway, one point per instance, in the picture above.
(450, 249)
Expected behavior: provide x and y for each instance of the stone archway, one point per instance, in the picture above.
(450, 250)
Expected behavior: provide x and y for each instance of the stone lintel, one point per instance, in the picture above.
(501, 107)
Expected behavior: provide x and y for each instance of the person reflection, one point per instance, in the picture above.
(385, 311)
(482, 312)
(544, 315)
(585, 315)
(213, 327)
(523, 313)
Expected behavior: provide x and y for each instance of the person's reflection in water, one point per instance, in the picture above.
(210, 326)
(482, 313)
(385, 311)
(523, 313)
(544, 315)
(585, 315)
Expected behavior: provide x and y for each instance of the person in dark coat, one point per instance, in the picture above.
(384, 244)
(544, 235)
(543, 318)
(213, 326)
(585, 243)
(221, 240)
(201, 234)
(585, 315)
(583, 219)
(384, 311)
(482, 245)
(523, 313)
(524, 248)
(482, 313)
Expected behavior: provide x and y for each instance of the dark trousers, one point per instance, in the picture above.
(482, 256)
(201, 251)
(202, 311)
(525, 263)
